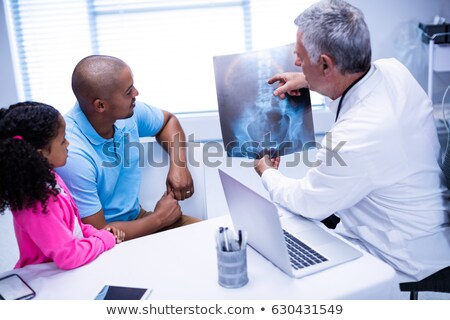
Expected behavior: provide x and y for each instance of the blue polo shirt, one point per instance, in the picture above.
(104, 173)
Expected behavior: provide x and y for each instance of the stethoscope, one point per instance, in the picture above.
(345, 92)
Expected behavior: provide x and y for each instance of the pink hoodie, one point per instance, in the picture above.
(44, 237)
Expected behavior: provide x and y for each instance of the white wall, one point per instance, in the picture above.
(8, 89)
(9, 251)
(394, 33)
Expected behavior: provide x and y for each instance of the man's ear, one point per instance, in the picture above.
(326, 63)
(99, 105)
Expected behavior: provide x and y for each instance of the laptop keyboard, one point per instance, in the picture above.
(300, 254)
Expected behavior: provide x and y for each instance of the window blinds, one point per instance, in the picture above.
(169, 44)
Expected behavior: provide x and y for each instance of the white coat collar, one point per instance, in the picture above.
(358, 92)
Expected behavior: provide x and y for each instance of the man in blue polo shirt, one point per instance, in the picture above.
(102, 169)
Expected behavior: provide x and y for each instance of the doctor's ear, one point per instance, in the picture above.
(325, 62)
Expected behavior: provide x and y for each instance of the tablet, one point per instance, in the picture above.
(122, 293)
(13, 287)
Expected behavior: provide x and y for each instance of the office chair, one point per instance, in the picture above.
(154, 168)
(439, 281)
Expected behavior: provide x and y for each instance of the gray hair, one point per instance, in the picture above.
(338, 29)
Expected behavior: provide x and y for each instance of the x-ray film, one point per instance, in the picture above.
(254, 122)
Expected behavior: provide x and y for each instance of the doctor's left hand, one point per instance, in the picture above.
(265, 163)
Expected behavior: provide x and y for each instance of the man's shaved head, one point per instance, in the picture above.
(95, 77)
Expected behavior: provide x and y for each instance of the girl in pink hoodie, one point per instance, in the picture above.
(46, 220)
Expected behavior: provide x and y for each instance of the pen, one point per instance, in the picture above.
(222, 239)
(218, 241)
(244, 239)
(225, 239)
(240, 238)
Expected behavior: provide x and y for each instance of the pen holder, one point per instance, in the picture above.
(232, 267)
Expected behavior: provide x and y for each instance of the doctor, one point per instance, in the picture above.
(387, 187)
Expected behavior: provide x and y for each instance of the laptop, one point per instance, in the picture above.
(296, 245)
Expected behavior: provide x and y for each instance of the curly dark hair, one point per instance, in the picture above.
(26, 177)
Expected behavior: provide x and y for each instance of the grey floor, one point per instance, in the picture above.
(429, 296)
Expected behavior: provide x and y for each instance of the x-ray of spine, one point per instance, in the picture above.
(254, 122)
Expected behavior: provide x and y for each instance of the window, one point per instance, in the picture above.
(169, 44)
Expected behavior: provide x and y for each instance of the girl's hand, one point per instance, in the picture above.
(119, 234)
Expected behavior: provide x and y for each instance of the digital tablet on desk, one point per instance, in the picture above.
(123, 293)
(13, 287)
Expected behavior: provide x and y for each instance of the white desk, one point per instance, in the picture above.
(182, 264)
